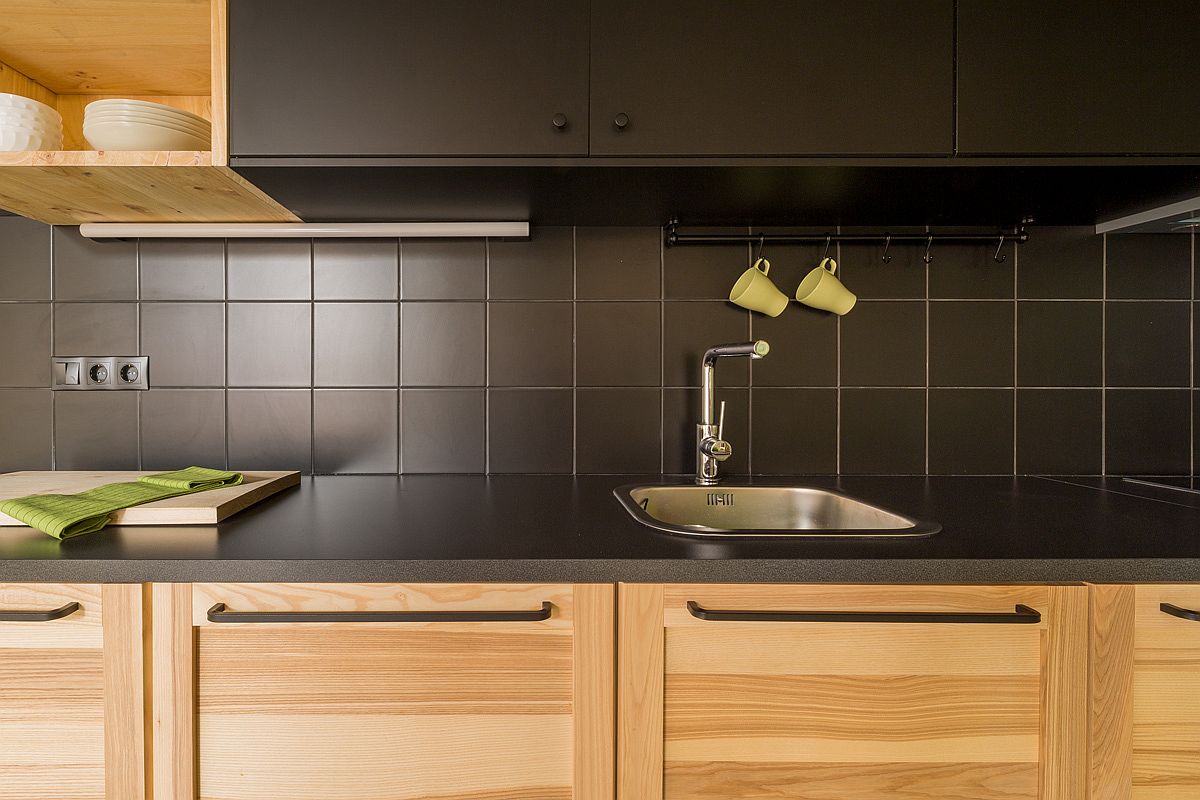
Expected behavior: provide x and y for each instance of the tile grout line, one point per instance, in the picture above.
(1192, 366)
(137, 292)
(53, 352)
(1104, 357)
(1016, 349)
(928, 308)
(225, 295)
(312, 358)
(399, 366)
(487, 361)
(574, 360)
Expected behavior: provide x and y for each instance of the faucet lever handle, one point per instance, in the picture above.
(721, 422)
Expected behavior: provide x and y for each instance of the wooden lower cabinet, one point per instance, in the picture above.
(1146, 692)
(423, 692)
(71, 692)
(851, 702)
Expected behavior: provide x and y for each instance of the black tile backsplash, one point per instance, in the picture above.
(578, 351)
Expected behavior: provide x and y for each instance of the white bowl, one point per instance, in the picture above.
(151, 127)
(15, 116)
(15, 141)
(8, 100)
(144, 105)
(139, 136)
(154, 119)
(41, 128)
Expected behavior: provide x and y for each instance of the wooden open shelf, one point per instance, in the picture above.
(68, 53)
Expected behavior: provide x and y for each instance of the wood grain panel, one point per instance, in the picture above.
(595, 667)
(219, 93)
(13, 81)
(124, 693)
(1111, 692)
(1064, 695)
(1166, 703)
(324, 597)
(640, 692)
(721, 780)
(109, 46)
(173, 692)
(34, 186)
(83, 629)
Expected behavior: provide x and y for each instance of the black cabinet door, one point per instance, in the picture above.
(772, 77)
(1076, 77)
(408, 77)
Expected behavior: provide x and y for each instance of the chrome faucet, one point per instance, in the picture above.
(711, 447)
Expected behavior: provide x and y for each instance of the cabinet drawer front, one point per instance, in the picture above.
(71, 719)
(404, 710)
(1166, 701)
(876, 692)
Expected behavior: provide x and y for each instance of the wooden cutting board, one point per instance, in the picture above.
(201, 508)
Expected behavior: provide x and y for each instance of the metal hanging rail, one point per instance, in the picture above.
(1015, 235)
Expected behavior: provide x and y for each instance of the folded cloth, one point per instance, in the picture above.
(66, 515)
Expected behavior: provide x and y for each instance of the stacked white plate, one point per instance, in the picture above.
(141, 125)
(28, 125)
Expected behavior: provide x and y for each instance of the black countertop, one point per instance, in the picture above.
(564, 529)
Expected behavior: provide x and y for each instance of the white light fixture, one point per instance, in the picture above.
(301, 230)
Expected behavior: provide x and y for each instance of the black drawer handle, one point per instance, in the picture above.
(218, 614)
(1023, 615)
(1177, 611)
(39, 616)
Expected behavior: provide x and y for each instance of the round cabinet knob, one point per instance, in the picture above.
(560, 121)
(129, 373)
(98, 374)
(621, 120)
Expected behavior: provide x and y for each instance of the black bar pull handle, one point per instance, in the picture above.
(1023, 615)
(218, 614)
(39, 616)
(1178, 611)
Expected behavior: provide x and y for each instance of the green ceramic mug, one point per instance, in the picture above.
(822, 289)
(755, 291)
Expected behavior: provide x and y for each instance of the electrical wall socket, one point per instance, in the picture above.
(112, 373)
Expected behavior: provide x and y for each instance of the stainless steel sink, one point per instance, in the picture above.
(732, 511)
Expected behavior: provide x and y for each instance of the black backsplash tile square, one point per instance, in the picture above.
(1146, 431)
(1146, 344)
(618, 263)
(269, 344)
(691, 328)
(25, 428)
(970, 343)
(971, 431)
(618, 344)
(80, 443)
(443, 430)
(530, 344)
(443, 269)
(25, 344)
(970, 272)
(24, 259)
(681, 414)
(185, 343)
(804, 348)
(96, 329)
(182, 427)
(355, 344)
(883, 431)
(794, 431)
(269, 269)
(356, 269)
(443, 344)
(883, 344)
(354, 431)
(1059, 431)
(706, 272)
(1060, 343)
(636, 413)
(540, 268)
(88, 270)
(270, 429)
(865, 273)
(182, 269)
(1155, 266)
(1061, 263)
(531, 430)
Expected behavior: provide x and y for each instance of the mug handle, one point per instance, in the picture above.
(830, 265)
(766, 265)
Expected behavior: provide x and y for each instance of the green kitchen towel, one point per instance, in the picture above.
(66, 515)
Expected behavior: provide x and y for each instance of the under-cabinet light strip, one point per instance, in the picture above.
(301, 230)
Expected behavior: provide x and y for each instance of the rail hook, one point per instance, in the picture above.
(828, 240)
(928, 257)
(762, 238)
(999, 257)
(887, 242)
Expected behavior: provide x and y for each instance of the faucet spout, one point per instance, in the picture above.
(711, 449)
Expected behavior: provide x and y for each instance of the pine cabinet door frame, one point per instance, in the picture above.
(104, 633)
(181, 610)
(647, 611)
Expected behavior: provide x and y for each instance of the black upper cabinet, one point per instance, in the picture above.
(772, 77)
(1076, 77)
(408, 77)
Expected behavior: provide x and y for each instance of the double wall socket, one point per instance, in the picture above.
(101, 372)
